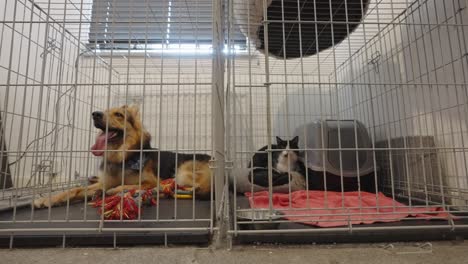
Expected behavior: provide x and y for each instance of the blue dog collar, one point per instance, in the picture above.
(135, 163)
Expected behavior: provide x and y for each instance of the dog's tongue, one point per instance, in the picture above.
(98, 148)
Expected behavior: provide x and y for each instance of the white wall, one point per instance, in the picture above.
(40, 103)
(417, 87)
(174, 95)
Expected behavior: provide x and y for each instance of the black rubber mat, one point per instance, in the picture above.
(183, 218)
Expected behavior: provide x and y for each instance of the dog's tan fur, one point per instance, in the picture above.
(196, 174)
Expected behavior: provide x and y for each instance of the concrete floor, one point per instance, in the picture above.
(408, 253)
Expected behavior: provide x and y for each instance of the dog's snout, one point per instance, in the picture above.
(97, 115)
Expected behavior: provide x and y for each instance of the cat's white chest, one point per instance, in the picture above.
(286, 161)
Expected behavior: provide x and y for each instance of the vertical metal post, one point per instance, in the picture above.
(217, 108)
(5, 176)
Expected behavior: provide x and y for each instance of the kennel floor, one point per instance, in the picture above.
(168, 229)
(402, 231)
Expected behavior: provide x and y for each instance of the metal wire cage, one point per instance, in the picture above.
(401, 73)
(62, 60)
(206, 81)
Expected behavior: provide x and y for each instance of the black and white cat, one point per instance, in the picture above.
(286, 166)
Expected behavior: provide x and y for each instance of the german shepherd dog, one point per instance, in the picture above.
(124, 146)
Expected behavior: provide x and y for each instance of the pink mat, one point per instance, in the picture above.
(363, 208)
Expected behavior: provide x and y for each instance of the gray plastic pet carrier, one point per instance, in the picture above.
(335, 150)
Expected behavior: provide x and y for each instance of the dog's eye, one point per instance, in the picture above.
(119, 115)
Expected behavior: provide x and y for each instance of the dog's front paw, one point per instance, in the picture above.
(42, 202)
(97, 195)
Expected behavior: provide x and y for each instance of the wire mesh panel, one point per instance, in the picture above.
(120, 119)
(379, 115)
(100, 101)
(47, 83)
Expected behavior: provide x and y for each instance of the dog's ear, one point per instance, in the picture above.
(134, 108)
(132, 111)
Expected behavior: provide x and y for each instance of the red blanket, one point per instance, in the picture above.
(333, 209)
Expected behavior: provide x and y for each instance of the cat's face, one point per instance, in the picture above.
(286, 160)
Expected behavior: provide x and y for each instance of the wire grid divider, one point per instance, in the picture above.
(401, 72)
(55, 71)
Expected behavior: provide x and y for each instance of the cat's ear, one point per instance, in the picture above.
(295, 141)
(279, 141)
